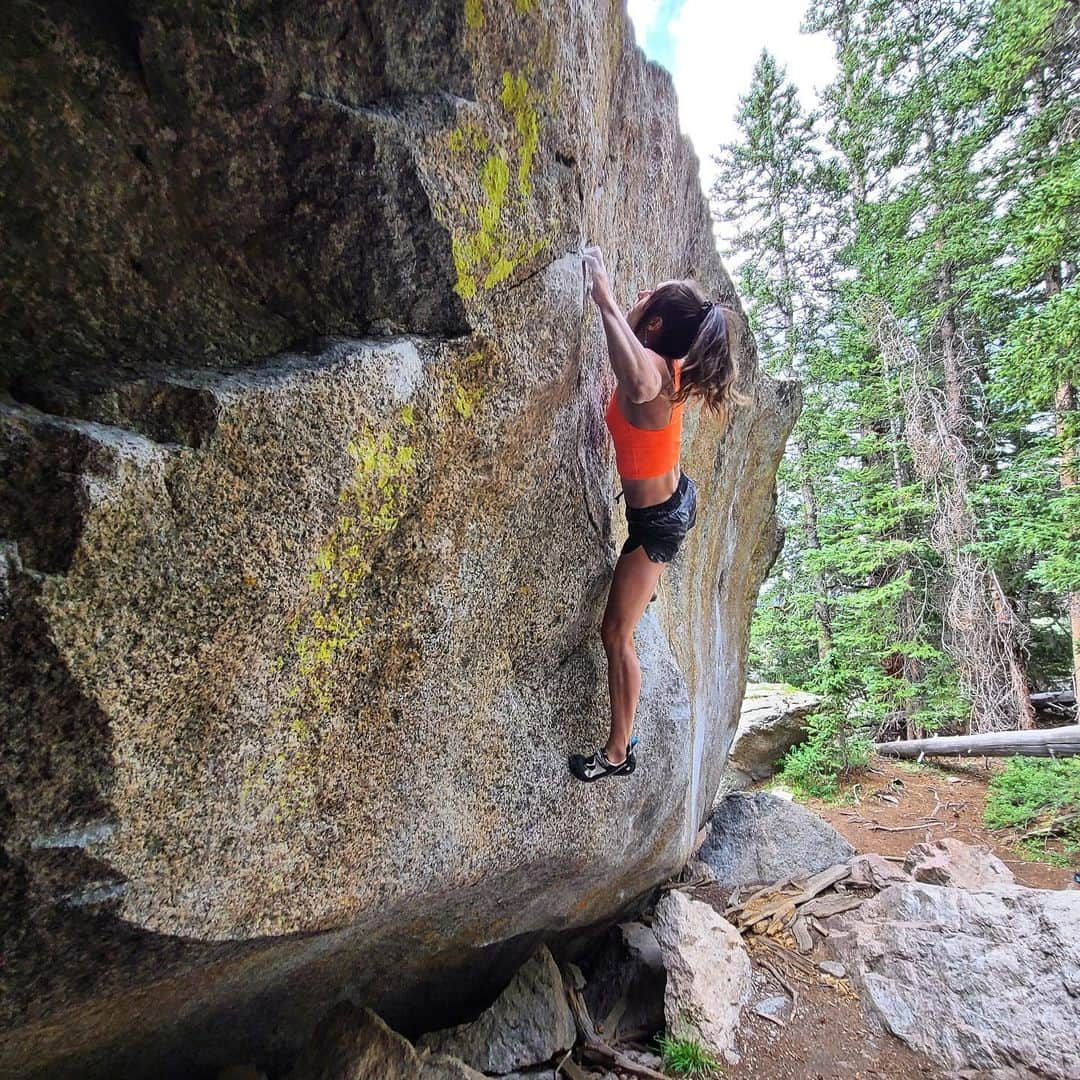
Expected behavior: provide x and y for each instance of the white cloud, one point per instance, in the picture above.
(643, 13)
(711, 47)
(714, 46)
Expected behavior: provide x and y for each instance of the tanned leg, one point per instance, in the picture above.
(632, 587)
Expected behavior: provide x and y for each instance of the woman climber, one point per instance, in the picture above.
(673, 344)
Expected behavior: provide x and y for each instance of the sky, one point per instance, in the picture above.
(710, 47)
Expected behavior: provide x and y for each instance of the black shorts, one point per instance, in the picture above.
(660, 529)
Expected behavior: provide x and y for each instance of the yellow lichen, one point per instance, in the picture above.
(516, 99)
(371, 505)
(523, 7)
(486, 246)
(465, 401)
(492, 251)
(468, 135)
(474, 12)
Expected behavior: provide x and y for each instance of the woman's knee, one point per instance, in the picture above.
(616, 634)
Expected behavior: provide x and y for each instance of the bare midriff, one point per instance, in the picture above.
(647, 458)
(656, 489)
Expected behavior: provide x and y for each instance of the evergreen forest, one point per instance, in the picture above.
(908, 250)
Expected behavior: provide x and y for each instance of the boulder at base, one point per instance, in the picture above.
(354, 1044)
(528, 1023)
(762, 837)
(708, 973)
(975, 980)
(952, 862)
(772, 720)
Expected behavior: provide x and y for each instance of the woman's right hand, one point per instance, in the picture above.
(594, 264)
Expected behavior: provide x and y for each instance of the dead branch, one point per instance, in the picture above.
(593, 1043)
(768, 966)
(874, 827)
(1053, 827)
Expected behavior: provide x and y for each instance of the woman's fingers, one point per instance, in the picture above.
(593, 256)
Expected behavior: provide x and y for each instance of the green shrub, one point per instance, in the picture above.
(1029, 789)
(832, 748)
(684, 1057)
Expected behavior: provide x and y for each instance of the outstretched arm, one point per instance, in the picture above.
(635, 370)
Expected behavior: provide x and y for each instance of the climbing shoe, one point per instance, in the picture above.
(595, 766)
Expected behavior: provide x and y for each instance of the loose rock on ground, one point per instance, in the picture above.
(708, 972)
(762, 837)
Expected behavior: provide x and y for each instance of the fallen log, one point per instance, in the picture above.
(1048, 742)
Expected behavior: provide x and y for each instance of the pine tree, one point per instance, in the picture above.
(924, 230)
(913, 260)
(768, 181)
(1025, 78)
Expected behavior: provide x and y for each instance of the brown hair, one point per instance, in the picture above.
(708, 334)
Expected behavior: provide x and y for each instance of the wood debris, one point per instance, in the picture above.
(784, 917)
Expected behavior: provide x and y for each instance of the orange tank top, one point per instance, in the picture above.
(639, 453)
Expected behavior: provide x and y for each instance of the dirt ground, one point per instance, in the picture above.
(830, 1037)
(827, 1038)
(880, 808)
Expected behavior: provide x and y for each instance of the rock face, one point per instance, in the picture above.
(307, 515)
(952, 862)
(772, 720)
(354, 1044)
(762, 837)
(528, 1023)
(977, 980)
(708, 973)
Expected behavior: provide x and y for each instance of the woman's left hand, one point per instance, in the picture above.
(594, 263)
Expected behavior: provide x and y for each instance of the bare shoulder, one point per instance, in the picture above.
(663, 369)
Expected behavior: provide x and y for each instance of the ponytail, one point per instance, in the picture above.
(708, 334)
(710, 369)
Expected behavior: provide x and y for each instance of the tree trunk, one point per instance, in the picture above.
(822, 607)
(1064, 403)
(1053, 742)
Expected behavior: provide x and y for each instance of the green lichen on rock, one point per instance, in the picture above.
(516, 99)
(491, 252)
(474, 13)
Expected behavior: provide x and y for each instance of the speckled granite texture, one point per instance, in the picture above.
(307, 514)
